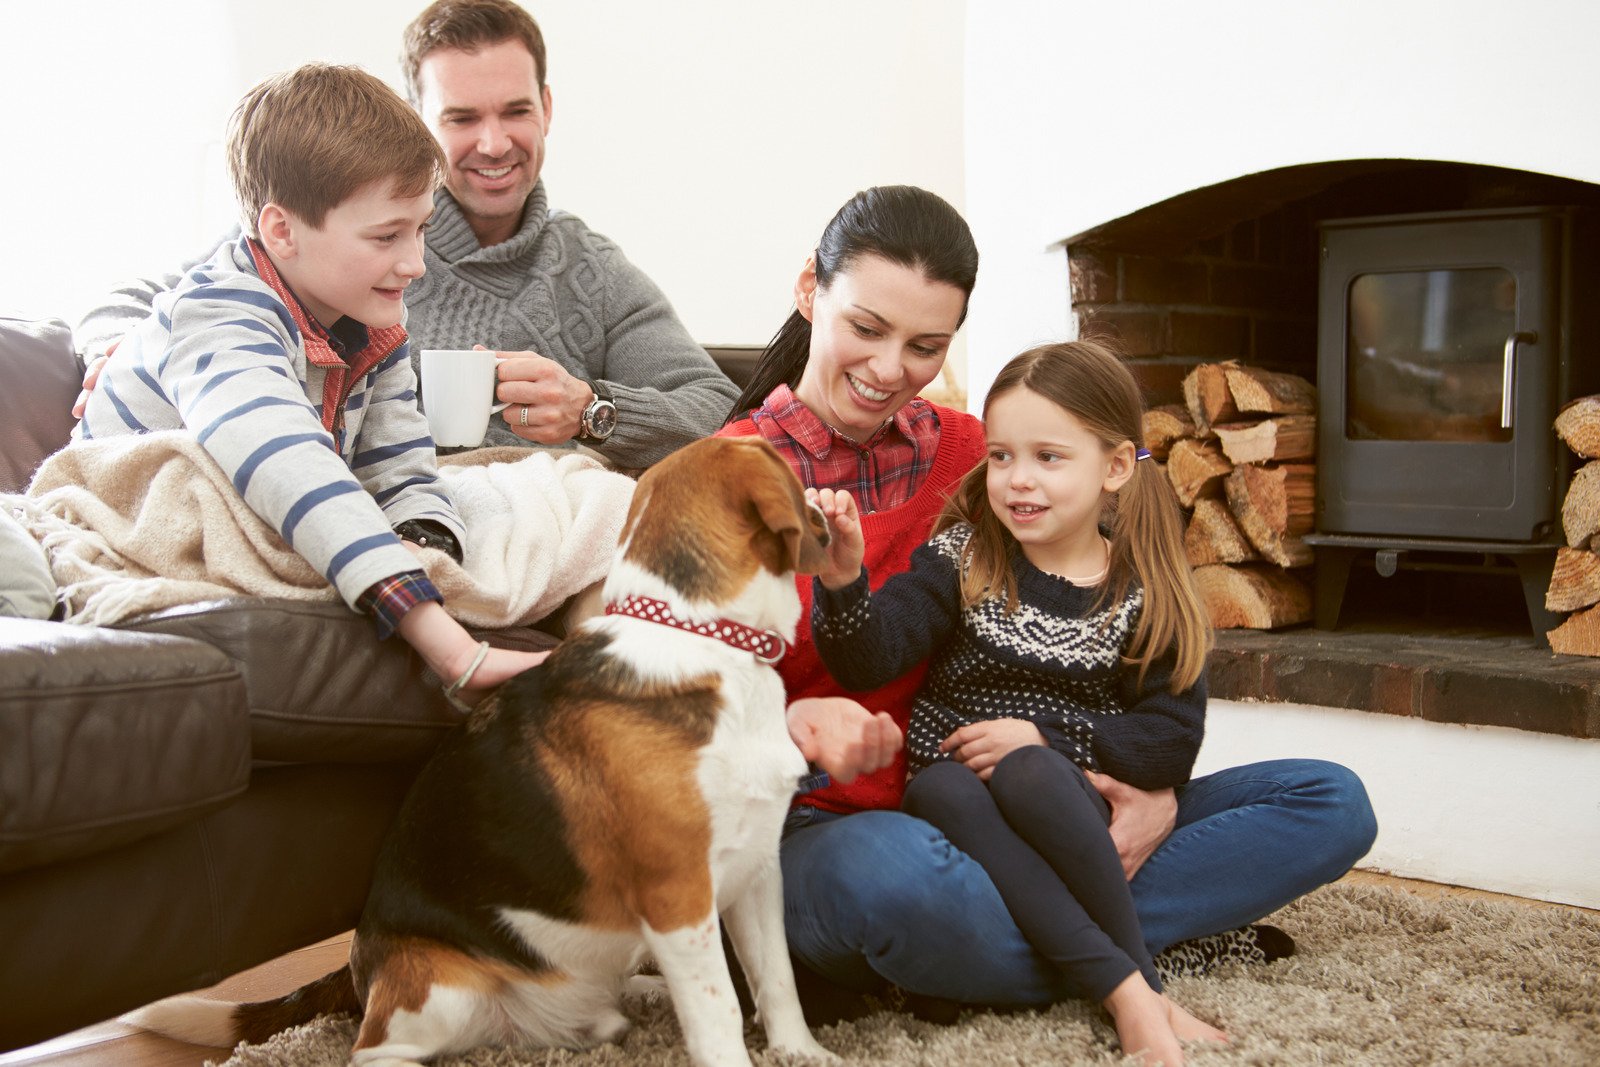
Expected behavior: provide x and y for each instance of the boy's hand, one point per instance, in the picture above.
(500, 665)
(846, 548)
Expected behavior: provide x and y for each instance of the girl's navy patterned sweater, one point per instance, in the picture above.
(1055, 661)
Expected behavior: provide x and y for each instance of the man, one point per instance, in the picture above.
(592, 352)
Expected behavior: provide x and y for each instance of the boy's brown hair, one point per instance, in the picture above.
(311, 138)
(467, 26)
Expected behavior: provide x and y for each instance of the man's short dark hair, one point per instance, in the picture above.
(468, 25)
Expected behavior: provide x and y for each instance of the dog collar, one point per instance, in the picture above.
(766, 645)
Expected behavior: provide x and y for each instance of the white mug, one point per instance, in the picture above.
(458, 395)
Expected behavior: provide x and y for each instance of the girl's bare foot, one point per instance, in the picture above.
(1188, 1028)
(1142, 1018)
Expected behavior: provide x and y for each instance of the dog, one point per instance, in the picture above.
(602, 808)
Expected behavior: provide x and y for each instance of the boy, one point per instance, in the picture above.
(286, 357)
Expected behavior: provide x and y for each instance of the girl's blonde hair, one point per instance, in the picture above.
(1088, 379)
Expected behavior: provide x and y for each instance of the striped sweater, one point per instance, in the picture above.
(333, 455)
(1056, 661)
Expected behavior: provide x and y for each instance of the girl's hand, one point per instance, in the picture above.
(982, 745)
(846, 548)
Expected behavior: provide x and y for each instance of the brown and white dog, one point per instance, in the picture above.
(607, 806)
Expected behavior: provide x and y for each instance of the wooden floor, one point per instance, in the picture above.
(115, 1044)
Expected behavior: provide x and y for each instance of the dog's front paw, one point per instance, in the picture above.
(809, 1049)
(646, 987)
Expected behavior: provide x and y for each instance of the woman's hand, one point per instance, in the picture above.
(842, 737)
(846, 547)
(1140, 819)
(982, 745)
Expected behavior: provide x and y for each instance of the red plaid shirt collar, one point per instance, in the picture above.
(322, 348)
(882, 472)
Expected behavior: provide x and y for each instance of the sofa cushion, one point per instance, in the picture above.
(320, 685)
(27, 591)
(39, 380)
(106, 737)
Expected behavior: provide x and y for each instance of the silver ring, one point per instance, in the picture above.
(524, 417)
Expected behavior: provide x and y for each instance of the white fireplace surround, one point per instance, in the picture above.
(1077, 114)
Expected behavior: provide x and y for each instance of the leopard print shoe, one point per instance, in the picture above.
(1199, 955)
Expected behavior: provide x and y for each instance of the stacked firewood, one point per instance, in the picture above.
(1238, 452)
(1575, 582)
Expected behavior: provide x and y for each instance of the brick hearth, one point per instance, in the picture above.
(1469, 677)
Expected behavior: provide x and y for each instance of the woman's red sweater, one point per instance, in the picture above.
(890, 537)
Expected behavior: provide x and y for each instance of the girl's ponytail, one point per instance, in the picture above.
(1147, 540)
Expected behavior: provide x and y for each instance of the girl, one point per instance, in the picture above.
(1055, 650)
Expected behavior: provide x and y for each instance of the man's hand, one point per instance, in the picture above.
(1140, 819)
(91, 378)
(553, 399)
(842, 737)
(982, 745)
(846, 548)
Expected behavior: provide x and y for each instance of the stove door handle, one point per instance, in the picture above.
(1508, 374)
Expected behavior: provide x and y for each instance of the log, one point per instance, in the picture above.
(1205, 394)
(1252, 597)
(1257, 390)
(1288, 437)
(1575, 582)
(1579, 635)
(1195, 469)
(1578, 424)
(1213, 537)
(1580, 511)
(1274, 506)
(1163, 425)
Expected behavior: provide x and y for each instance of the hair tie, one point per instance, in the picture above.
(1140, 453)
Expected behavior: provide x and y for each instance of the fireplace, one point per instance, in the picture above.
(1407, 290)
(1445, 343)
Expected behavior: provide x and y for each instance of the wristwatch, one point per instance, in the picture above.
(599, 419)
(425, 533)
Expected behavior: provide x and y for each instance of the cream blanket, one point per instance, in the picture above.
(139, 523)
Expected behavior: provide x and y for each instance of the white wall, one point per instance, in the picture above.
(1484, 806)
(1080, 113)
(712, 139)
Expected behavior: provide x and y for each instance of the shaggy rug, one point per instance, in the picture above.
(1382, 977)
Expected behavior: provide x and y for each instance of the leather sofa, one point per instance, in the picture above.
(191, 792)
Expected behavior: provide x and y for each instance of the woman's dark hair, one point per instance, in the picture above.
(903, 224)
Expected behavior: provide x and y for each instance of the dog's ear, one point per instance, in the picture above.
(800, 530)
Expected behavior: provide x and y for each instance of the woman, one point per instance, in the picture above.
(872, 894)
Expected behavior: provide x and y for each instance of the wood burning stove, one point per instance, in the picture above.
(1446, 342)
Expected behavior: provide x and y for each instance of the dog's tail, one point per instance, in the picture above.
(223, 1024)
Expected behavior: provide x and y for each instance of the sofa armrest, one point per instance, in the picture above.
(106, 737)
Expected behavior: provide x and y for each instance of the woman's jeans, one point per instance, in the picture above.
(880, 895)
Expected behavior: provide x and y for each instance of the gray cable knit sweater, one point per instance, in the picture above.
(555, 287)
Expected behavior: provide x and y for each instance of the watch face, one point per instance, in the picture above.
(600, 419)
